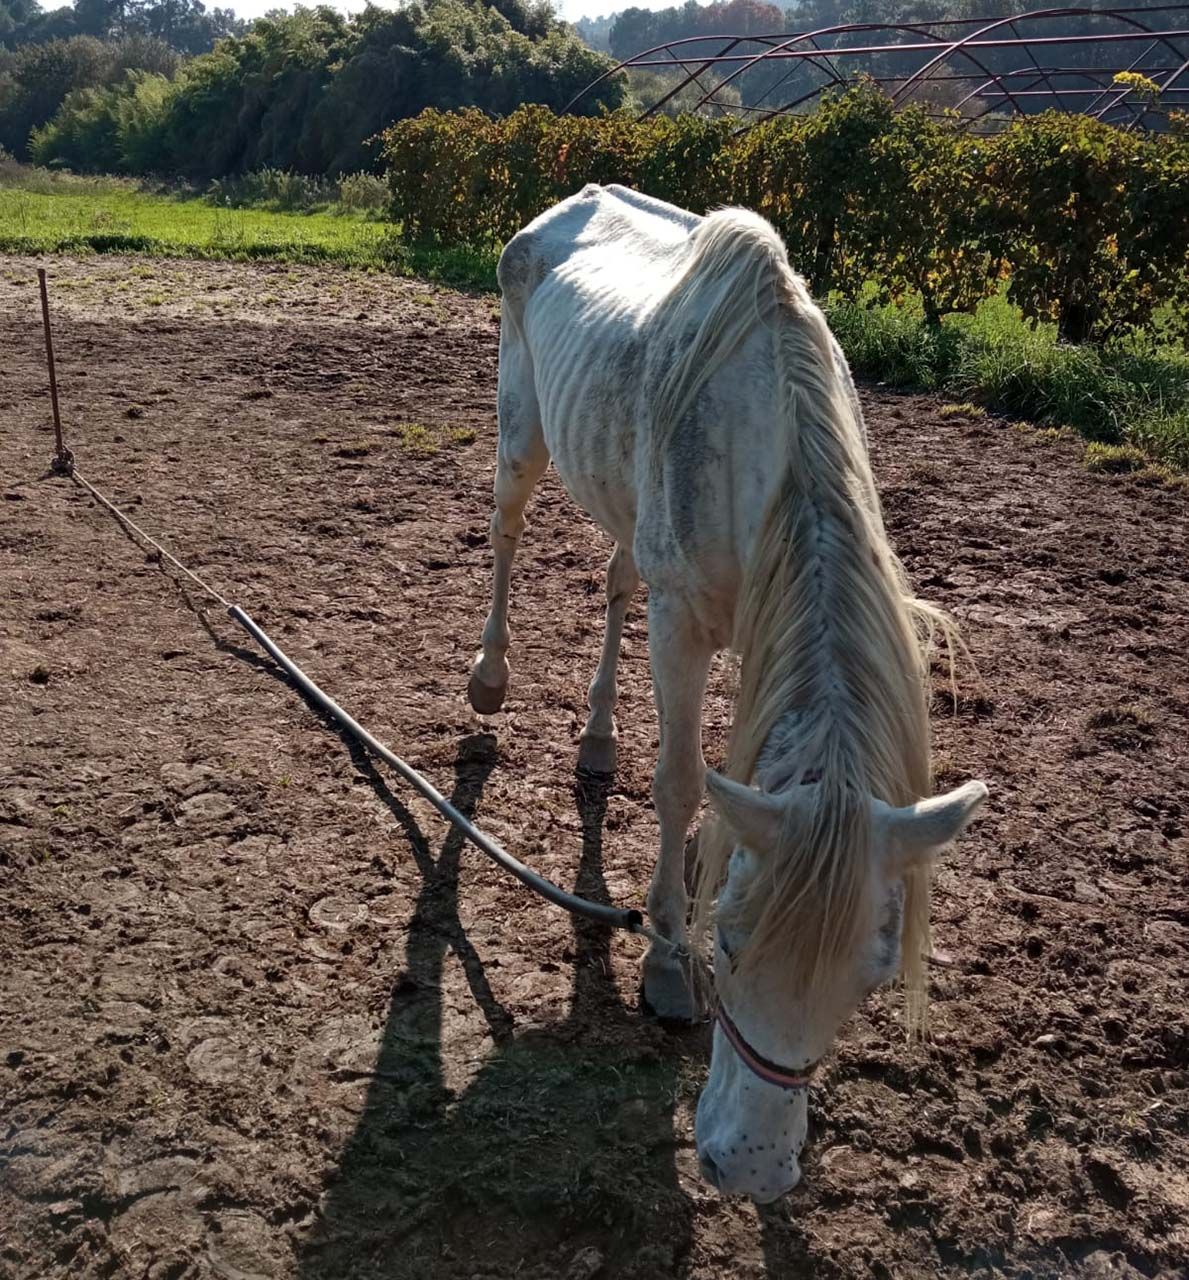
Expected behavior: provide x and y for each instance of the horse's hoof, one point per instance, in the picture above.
(669, 990)
(486, 699)
(597, 754)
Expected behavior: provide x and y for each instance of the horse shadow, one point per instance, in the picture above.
(559, 1156)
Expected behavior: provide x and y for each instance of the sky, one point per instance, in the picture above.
(571, 10)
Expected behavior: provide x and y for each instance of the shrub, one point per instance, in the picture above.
(1086, 223)
(1089, 220)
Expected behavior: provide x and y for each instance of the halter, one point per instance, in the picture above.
(764, 1068)
(768, 1071)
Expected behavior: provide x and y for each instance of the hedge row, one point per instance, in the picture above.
(1087, 223)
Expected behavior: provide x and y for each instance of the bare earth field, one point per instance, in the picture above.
(262, 1016)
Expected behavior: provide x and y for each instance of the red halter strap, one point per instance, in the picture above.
(768, 1071)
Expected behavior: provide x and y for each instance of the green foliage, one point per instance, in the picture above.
(306, 91)
(283, 191)
(186, 26)
(634, 29)
(363, 193)
(111, 129)
(1133, 391)
(1090, 221)
(37, 80)
(280, 190)
(465, 178)
(665, 91)
(1086, 222)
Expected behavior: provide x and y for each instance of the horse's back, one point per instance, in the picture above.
(578, 284)
(610, 222)
(668, 432)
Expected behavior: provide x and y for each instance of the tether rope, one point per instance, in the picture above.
(630, 920)
(616, 917)
(140, 533)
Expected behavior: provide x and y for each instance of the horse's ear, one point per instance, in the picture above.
(753, 817)
(917, 832)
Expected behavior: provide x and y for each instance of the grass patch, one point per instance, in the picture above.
(964, 410)
(425, 441)
(1114, 459)
(129, 221)
(418, 439)
(45, 212)
(1134, 391)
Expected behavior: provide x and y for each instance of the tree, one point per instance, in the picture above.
(185, 25)
(306, 90)
(16, 17)
(38, 80)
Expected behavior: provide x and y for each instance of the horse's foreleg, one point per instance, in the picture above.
(597, 747)
(680, 667)
(515, 477)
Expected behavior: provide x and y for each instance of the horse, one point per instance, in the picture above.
(696, 406)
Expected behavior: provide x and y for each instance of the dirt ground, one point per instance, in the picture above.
(261, 1015)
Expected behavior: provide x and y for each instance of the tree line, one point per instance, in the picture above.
(634, 29)
(304, 91)
(187, 26)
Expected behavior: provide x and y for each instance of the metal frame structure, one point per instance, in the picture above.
(949, 64)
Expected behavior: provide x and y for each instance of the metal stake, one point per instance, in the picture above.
(63, 462)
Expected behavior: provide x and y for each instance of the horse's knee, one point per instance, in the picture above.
(622, 576)
(677, 790)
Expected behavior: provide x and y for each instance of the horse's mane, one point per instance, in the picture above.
(825, 625)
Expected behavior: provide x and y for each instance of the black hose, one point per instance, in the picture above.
(615, 917)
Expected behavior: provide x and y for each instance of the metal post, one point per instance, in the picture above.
(63, 461)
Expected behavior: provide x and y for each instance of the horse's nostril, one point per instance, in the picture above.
(710, 1170)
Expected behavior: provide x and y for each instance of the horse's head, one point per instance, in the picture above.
(772, 1027)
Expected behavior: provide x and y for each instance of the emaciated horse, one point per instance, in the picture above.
(696, 405)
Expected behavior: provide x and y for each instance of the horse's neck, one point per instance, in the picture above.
(781, 761)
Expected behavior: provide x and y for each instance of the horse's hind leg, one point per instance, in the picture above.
(597, 746)
(522, 460)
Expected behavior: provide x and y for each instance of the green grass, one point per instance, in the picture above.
(137, 222)
(1134, 391)
(53, 213)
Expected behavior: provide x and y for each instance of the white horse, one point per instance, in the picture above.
(696, 405)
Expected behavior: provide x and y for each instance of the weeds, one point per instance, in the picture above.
(425, 441)
(282, 191)
(1114, 459)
